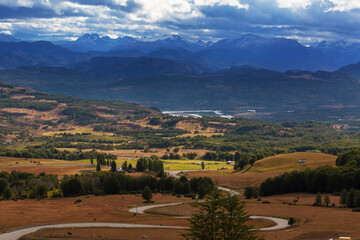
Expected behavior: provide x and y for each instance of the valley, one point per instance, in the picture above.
(160, 137)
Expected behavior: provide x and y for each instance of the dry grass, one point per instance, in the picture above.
(231, 179)
(10, 161)
(118, 233)
(107, 233)
(314, 222)
(58, 170)
(111, 208)
(288, 162)
(50, 166)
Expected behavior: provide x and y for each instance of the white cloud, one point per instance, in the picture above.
(16, 3)
(158, 10)
(344, 5)
(231, 3)
(294, 4)
(120, 2)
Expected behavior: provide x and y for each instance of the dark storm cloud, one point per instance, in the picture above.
(305, 20)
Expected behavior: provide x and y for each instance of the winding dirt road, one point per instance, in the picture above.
(18, 233)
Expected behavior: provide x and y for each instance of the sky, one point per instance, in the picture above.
(307, 21)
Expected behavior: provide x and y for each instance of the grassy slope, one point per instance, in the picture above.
(288, 162)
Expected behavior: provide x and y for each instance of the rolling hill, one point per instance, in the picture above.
(24, 110)
(289, 162)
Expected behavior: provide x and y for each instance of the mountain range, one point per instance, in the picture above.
(278, 54)
(170, 84)
(269, 76)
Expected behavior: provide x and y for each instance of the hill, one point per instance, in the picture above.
(173, 85)
(288, 162)
(26, 112)
(118, 68)
(42, 53)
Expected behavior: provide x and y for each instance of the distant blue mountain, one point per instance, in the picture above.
(278, 54)
(8, 38)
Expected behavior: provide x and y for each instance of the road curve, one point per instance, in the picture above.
(16, 234)
(280, 222)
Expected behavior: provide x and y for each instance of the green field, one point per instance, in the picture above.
(173, 165)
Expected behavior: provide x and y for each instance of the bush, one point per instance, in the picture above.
(266, 202)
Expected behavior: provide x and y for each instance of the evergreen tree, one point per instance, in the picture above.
(327, 201)
(202, 191)
(203, 165)
(113, 166)
(8, 193)
(291, 221)
(343, 195)
(249, 192)
(147, 194)
(98, 167)
(318, 200)
(124, 166)
(92, 161)
(3, 184)
(220, 217)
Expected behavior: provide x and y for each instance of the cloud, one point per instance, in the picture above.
(306, 20)
(294, 4)
(344, 5)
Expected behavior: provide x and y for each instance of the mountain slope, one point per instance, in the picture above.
(15, 54)
(117, 68)
(353, 69)
(23, 109)
(235, 90)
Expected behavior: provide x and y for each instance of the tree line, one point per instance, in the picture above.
(22, 185)
(323, 179)
(53, 153)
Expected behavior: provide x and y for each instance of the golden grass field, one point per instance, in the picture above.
(106, 233)
(265, 168)
(50, 166)
(288, 162)
(313, 222)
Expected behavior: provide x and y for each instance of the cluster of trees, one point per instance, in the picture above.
(351, 198)
(152, 164)
(323, 179)
(53, 153)
(22, 185)
(116, 183)
(82, 115)
(218, 156)
(241, 160)
(28, 104)
(171, 156)
(351, 157)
